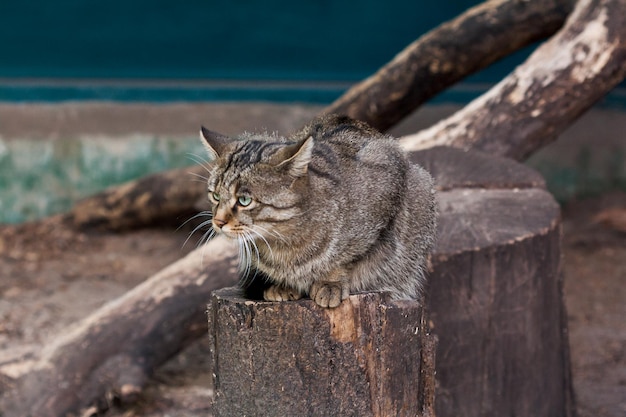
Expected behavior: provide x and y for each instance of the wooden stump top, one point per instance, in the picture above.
(494, 291)
(453, 169)
(367, 357)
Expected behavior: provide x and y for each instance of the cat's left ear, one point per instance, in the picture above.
(297, 157)
(215, 143)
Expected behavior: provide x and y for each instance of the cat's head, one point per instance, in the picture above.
(256, 186)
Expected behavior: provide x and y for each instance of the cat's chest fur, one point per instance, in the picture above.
(336, 208)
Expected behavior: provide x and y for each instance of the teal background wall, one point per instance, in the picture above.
(272, 39)
(202, 50)
(276, 50)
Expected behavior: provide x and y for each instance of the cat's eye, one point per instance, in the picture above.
(244, 201)
(215, 196)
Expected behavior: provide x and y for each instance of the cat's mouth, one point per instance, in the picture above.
(228, 232)
(239, 232)
(233, 236)
(231, 232)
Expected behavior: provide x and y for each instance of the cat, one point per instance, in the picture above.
(334, 209)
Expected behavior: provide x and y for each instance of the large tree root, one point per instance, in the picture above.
(426, 67)
(564, 77)
(113, 351)
(447, 54)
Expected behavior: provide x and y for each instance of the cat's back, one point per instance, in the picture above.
(344, 134)
(352, 148)
(359, 173)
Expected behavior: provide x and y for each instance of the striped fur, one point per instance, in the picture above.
(334, 209)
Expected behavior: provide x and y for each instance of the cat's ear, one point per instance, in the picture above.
(215, 143)
(296, 157)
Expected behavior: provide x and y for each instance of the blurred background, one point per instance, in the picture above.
(102, 92)
(276, 50)
(96, 93)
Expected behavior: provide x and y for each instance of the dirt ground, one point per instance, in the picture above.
(594, 263)
(52, 276)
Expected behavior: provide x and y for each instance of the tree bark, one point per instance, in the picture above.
(368, 357)
(529, 108)
(495, 290)
(165, 197)
(494, 297)
(435, 61)
(447, 54)
(115, 350)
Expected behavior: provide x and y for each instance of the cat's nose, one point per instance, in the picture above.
(219, 222)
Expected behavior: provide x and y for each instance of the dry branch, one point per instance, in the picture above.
(558, 82)
(114, 350)
(447, 54)
(166, 196)
(438, 59)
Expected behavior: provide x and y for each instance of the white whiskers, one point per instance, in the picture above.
(248, 240)
(253, 233)
(206, 236)
(245, 265)
(197, 177)
(200, 160)
(203, 163)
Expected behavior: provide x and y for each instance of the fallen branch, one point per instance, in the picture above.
(447, 54)
(162, 197)
(558, 82)
(432, 63)
(115, 350)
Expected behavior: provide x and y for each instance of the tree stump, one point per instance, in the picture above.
(495, 290)
(368, 357)
(494, 295)
(495, 302)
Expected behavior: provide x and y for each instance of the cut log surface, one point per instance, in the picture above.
(494, 290)
(368, 357)
(453, 169)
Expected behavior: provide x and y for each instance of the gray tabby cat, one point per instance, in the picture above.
(334, 209)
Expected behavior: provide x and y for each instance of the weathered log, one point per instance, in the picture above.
(563, 78)
(368, 357)
(447, 54)
(112, 352)
(157, 198)
(527, 110)
(435, 61)
(498, 308)
(494, 297)
(495, 290)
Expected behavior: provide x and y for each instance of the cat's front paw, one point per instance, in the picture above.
(280, 293)
(329, 293)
